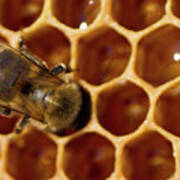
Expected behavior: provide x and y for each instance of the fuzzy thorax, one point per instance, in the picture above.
(63, 106)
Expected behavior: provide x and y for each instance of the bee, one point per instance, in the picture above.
(28, 87)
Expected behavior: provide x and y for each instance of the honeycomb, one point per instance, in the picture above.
(126, 56)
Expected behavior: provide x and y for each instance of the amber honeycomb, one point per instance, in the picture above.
(126, 53)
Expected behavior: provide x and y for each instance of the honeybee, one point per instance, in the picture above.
(28, 87)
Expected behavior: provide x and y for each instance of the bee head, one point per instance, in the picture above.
(63, 106)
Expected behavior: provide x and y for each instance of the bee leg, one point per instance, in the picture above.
(5, 110)
(61, 68)
(21, 124)
(23, 50)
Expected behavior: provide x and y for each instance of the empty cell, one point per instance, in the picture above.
(137, 14)
(122, 108)
(158, 56)
(102, 55)
(89, 156)
(167, 113)
(76, 13)
(176, 7)
(31, 156)
(147, 157)
(53, 50)
(7, 124)
(17, 14)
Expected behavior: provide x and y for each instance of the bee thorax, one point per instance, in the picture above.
(63, 106)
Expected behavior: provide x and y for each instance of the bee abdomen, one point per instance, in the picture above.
(12, 67)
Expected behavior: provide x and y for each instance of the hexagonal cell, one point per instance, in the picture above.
(122, 108)
(16, 14)
(76, 13)
(140, 14)
(167, 112)
(176, 7)
(31, 156)
(102, 56)
(53, 50)
(147, 157)
(89, 156)
(7, 124)
(158, 56)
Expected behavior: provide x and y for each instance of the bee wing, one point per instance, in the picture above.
(18, 74)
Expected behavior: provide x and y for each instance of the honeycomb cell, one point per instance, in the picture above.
(147, 157)
(7, 124)
(158, 56)
(89, 156)
(140, 14)
(122, 108)
(16, 14)
(53, 50)
(176, 7)
(102, 56)
(31, 156)
(76, 13)
(167, 112)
